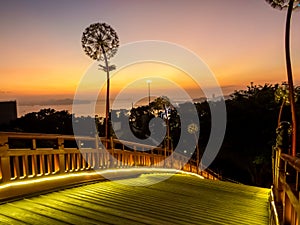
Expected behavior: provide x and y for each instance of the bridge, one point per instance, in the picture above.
(52, 179)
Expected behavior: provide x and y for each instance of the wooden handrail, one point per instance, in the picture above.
(286, 186)
(274, 217)
(292, 161)
(35, 161)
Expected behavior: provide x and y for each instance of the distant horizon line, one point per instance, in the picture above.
(67, 99)
(70, 101)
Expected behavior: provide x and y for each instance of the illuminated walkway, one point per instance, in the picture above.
(181, 199)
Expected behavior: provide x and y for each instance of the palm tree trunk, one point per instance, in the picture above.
(290, 74)
(107, 99)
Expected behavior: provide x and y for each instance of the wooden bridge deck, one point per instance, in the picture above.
(181, 199)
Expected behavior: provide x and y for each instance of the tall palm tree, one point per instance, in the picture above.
(290, 5)
(100, 42)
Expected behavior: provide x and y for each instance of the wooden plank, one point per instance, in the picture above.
(177, 199)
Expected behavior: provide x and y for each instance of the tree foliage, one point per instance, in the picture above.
(161, 107)
(251, 123)
(45, 121)
(245, 155)
(50, 121)
(246, 152)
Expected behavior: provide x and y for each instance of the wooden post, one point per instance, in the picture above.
(60, 143)
(171, 151)
(3, 143)
(277, 186)
(134, 156)
(284, 194)
(165, 158)
(96, 154)
(61, 158)
(152, 157)
(33, 144)
(112, 152)
(288, 208)
(297, 180)
(273, 164)
(296, 217)
(96, 141)
(5, 168)
(5, 162)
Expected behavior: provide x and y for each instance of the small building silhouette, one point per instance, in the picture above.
(8, 111)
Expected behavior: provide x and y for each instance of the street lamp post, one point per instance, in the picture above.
(167, 117)
(193, 129)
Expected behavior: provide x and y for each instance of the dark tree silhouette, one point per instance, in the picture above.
(246, 152)
(47, 121)
(290, 5)
(100, 42)
(141, 116)
(282, 97)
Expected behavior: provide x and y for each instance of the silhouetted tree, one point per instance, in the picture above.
(140, 118)
(246, 151)
(282, 96)
(290, 5)
(45, 121)
(100, 42)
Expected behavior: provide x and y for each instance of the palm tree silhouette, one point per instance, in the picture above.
(290, 5)
(100, 42)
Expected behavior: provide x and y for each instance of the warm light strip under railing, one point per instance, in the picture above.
(103, 173)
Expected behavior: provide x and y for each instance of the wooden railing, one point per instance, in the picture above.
(25, 156)
(286, 187)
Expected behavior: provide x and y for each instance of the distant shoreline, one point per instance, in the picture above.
(82, 105)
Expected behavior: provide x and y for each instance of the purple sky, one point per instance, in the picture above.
(240, 40)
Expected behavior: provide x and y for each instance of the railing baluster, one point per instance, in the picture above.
(152, 157)
(55, 163)
(34, 165)
(16, 167)
(25, 166)
(72, 166)
(135, 156)
(94, 160)
(37, 160)
(50, 164)
(1, 174)
(42, 164)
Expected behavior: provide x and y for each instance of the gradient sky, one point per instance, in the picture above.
(240, 40)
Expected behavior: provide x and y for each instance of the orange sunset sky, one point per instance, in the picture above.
(241, 41)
